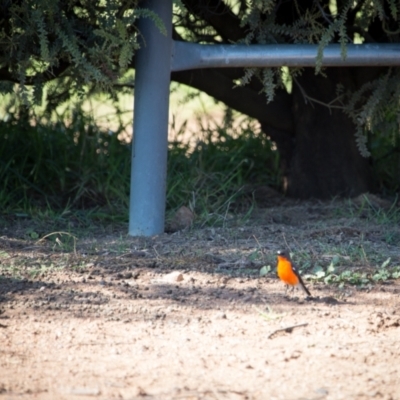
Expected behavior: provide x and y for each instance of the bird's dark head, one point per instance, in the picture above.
(282, 253)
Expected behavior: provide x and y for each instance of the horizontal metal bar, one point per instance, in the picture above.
(192, 56)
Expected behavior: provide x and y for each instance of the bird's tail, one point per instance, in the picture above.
(303, 287)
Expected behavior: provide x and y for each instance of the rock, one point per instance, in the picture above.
(182, 219)
(173, 277)
(84, 391)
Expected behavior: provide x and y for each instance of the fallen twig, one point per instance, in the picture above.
(288, 329)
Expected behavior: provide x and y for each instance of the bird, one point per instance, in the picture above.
(287, 272)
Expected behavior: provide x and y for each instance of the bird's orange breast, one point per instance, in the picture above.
(285, 272)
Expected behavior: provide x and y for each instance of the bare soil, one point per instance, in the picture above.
(187, 315)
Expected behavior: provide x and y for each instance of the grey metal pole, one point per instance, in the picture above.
(150, 125)
(192, 55)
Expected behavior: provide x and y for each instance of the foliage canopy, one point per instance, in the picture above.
(78, 42)
(93, 43)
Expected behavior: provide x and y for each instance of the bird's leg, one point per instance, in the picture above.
(289, 291)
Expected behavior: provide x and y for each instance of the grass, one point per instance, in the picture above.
(58, 166)
(214, 177)
(72, 169)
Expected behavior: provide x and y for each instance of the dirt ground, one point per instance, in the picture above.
(187, 315)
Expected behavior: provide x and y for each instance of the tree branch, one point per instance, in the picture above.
(219, 16)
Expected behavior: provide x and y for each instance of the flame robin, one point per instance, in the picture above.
(288, 273)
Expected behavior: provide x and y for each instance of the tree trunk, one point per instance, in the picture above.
(319, 156)
(325, 161)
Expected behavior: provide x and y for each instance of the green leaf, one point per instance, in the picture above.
(319, 272)
(396, 275)
(254, 255)
(34, 235)
(335, 260)
(386, 263)
(330, 278)
(265, 270)
(331, 269)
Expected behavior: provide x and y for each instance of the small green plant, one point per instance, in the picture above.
(383, 273)
(41, 270)
(332, 274)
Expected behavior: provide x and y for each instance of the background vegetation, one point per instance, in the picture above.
(72, 163)
(55, 154)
